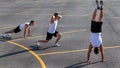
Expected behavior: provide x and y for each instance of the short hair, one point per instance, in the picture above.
(32, 21)
(55, 14)
(96, 50)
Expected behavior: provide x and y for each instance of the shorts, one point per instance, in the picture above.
(49, 35)
(17, 29)
(96, 39)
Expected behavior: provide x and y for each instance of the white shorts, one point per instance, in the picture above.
(96, 39)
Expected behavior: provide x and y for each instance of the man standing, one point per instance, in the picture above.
(52, 30)
(96, 29)
(24, 26)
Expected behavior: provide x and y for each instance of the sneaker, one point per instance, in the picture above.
(4, 35)
(56, 45)
(101, 4)
(9, 35)
(97, 3)
(38, 43)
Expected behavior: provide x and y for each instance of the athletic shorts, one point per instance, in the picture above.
(17, 29)
(49, 35)
(96, 39)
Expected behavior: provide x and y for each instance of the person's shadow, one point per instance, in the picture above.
(23, 51)
(34, 48)
(5, 38)
(81, 64)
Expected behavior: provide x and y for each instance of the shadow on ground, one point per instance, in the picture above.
(23, 51)
(81, 64)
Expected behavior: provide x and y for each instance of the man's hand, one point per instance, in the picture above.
(29, 35)
(24, 36)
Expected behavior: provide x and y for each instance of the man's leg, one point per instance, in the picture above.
(43, 41)
(101, 15)
(94, 15)
(89, 51)
(102, 53)
(101, 12)
(11, 31)
(48, 37)
(5, 34)
(39, 41)
(59, 35)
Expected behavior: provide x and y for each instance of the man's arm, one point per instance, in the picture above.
(25, 29)
(59, 17)
(52, 19)
(29, 32)
(94, 15)
(101, 16)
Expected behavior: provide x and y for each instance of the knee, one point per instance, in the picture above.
(59, 35)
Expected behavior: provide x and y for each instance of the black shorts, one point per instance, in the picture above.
(17, 29)
(49, 35)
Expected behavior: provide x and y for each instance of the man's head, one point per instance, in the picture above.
(96, 50)
(56, 14)
(32, 22)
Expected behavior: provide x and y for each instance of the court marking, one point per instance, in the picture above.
(6, 27)
(68, 32)
(74, 51)
(30, 51)
(116, 17)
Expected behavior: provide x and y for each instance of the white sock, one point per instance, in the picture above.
(38, 43)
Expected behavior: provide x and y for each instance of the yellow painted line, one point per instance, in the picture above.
(74, 31)
(74, 51)
(32, 52)
(117, 17)
(63, 52)
(45, 35)
(111, 47)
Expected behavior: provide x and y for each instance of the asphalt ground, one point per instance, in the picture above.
(75, 27)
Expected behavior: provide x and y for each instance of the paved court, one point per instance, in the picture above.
(75, 27)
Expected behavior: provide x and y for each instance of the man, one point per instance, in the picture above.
(96, 29)
(52, 30)
(24, 26)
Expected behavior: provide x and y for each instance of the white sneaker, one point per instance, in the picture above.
(9, 35)
(4, 35)
(38, 44)
(56, 45)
